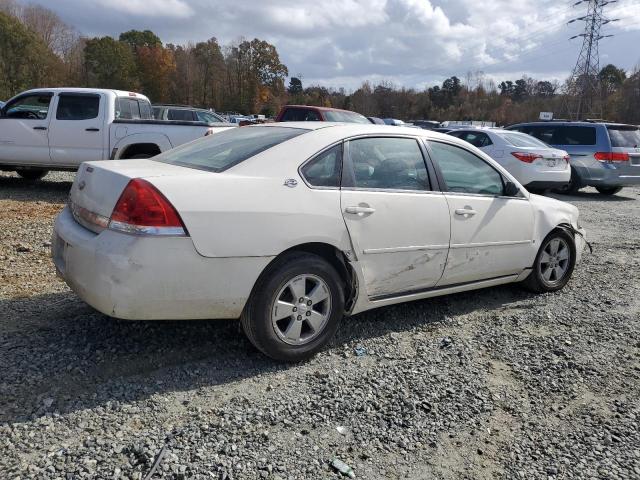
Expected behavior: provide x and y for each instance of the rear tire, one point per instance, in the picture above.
(573, 186)
(304, 328)
(554, 263)
(608, 190)
(31, 173)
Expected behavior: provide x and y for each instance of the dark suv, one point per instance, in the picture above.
(307, 113)
(603, 155)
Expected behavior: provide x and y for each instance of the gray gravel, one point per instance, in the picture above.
(497, 383)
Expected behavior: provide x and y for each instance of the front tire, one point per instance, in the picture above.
(608, 190)
(554, 263)
(31, 173)
(295, 307)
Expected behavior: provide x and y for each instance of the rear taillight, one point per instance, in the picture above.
(611, 156)
(143, 210)
(566, 158)
(526, 157)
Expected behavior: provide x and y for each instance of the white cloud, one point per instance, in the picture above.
(150, 8)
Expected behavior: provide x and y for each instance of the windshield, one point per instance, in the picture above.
(625, 137)
(350, 117)
(522, 140)
(223, 150)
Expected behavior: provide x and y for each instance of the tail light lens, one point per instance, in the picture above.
(526, 157)
(566, 158)
(612, 156)
(143, 210)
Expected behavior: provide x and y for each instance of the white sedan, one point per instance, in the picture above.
(289, 227)
(533, 163)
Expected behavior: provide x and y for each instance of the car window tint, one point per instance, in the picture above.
(180, 115)
(522, 140)
(223, 150)
(574, 135)
(145, 110)
(208, 117)
(388, 163)
(157, 113)
(464, 172)
(77, 107)
(624, 136)
(300, 115)
(324, 170)
(127, 109)
(29, 107)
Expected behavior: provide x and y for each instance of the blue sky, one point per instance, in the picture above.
(413, 43)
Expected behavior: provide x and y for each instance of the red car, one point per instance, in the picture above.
(305, 113)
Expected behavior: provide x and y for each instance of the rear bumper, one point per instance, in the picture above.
(609, 175)
(149, 278)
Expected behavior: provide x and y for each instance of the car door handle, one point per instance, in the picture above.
(465, 211)
(39, 128)
(91, 129)
(358, 210)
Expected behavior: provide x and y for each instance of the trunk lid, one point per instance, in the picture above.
(98, 186)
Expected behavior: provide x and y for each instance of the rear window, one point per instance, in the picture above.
(223, 150)
(522, 140)
(132, 109)
(349, 117)
(182, 115)
(624, 136)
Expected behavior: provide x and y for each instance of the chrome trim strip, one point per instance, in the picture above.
(88, 219)
(373, 251)
(489, 244)
(145, 230)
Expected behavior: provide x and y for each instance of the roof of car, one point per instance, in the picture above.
(358, 128)
(580, 123)
(324, 109)
(119, 93)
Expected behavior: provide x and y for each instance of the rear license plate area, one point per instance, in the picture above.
(58, 252)
(551, 162)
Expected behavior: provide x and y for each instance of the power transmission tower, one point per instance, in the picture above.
(583, 87)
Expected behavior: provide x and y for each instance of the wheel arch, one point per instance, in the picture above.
(141, 143)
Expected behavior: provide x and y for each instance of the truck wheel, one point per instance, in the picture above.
(608, 190)
(31, 173)
(554, 263)
(295, 307)
(573, 186)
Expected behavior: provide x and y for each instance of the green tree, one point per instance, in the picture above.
(295, 86)
(611, 78)
(137, 39)
(110, 64)
(25, 61)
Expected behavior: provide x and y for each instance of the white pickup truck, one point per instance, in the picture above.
(59, 128)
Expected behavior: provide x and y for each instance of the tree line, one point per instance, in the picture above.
(247, 76)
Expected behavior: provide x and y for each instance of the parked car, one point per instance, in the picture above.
(1, 104)
(305, 113)
(603, 155)
(59, 128)
(535, 164)
(376, 120)
(342, 218)
(393, 121)
(426, 124)
(186, 114)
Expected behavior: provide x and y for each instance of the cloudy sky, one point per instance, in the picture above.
(413, 43)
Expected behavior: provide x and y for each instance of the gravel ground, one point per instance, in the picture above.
(497, 383)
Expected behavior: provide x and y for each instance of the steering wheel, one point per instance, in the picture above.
(32, 116)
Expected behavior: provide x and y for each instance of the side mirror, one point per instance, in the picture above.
(510, 189)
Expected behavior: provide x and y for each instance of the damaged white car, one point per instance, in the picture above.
(289, 227)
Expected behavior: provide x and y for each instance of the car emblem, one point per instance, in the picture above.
(291, 183)
(81, 185)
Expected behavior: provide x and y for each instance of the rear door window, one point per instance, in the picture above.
(73, 106)
(574, 135)
(624, 136)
